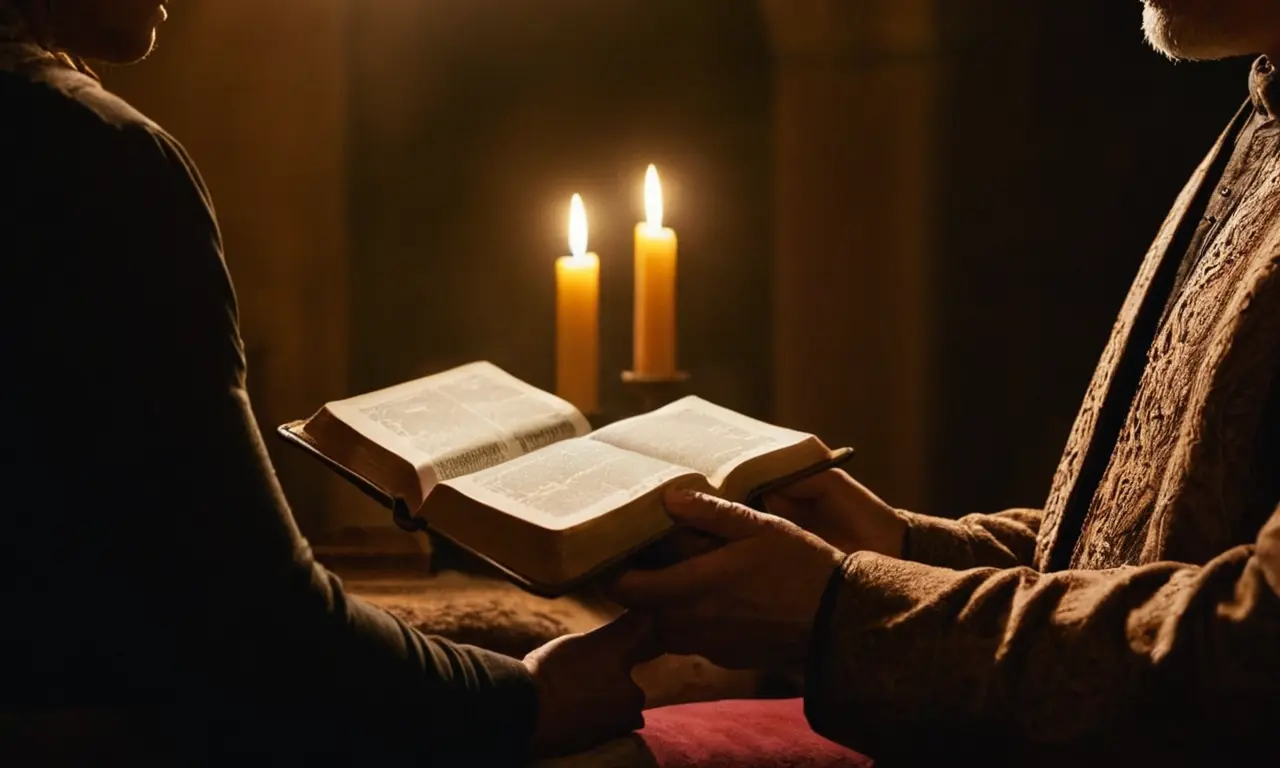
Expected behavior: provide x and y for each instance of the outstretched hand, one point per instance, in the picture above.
(749, 603)
(585, 692)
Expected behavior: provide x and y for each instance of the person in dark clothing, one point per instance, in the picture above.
(156, 590)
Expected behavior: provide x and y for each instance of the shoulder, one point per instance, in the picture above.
(121, 205)
(106, 192)
(56, 103)
(79, 97)
(70, 123)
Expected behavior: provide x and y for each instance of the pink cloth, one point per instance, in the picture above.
(741, 734)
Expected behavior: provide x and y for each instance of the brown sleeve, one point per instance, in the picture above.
(1001, 540)
(916, 662)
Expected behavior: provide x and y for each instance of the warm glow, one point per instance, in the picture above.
(653, 199)
(577, 228)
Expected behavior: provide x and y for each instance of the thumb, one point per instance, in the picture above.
(712, 515)
(630, 638)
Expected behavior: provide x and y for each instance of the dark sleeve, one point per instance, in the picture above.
(261, 642)
(1137, 665)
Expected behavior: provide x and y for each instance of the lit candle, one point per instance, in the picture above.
(655, 296)
(577, 317)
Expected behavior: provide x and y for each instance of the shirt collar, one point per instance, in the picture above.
(15, 56)
(1264, 88)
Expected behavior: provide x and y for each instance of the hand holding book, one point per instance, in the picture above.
(748, 604)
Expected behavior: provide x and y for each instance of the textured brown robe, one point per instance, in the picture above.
(1136, 619)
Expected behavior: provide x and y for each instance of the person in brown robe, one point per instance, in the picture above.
(1135, 619)
(160, 605)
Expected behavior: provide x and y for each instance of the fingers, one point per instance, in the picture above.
(680, 583)
(679, 545)
(703, 630)
(712, 515)
(631, 637)
(675, 630)
(816, 486)
(692, 578)
(789, 508)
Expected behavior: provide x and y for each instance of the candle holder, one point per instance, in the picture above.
(654, 391)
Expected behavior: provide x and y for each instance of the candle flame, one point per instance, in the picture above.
(577, 228)
(653, 198)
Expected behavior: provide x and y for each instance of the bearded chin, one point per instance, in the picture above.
(1185, 39)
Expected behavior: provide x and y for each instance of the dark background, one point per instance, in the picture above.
(450, 134)
(1067, 141)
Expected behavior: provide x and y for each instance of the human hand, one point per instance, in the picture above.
(842, 511)
(748, 604)
(585, 692)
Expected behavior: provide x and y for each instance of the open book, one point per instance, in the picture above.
(516, 476)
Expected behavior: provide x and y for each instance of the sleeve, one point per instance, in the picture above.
(245, 632)
(912, 661)
(1000, 540)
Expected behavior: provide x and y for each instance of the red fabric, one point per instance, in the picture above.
(741, 734)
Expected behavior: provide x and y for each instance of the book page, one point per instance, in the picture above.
(461, 421)
(694, 433)
(565, 483)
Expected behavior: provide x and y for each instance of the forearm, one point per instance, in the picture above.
(1001, 540)
(352, 676)
(910, 657)
(349, 679)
